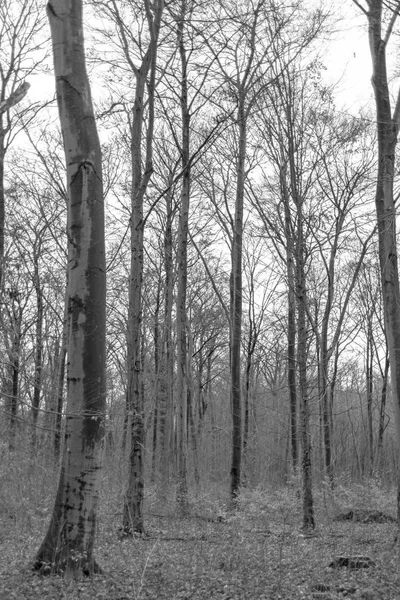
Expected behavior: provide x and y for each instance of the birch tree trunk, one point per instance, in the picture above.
(69, 542)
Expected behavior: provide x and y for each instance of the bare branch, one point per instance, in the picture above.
(15, 97)
(215, 287)
(361, 7)
(392, 22)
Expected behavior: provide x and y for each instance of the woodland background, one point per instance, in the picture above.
(243, 110)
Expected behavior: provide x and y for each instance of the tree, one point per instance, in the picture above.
(36, 229)
(288, 136)
(370, 315)
(346, 161)
(381, 17)
(239, 45)
(21, 22)
(15, 304)
(165, 372)
(257, 277)
(69, 542)
(183, 388)
(145, 77)
(130, 41)
(249, 54)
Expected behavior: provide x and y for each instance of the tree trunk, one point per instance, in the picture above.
(302, 334)
(193, 437)
(251, 344)
(387, 129)
(247, 401)
(236, 307)
(37, 387)
(326, 423)
(166, 384)
(60, 385)
(132, 519)
(191, 409)
(291, 336)
(133, 502)
(69, 542)
(181, 314)
(15, 312)
(382, 414)
(157, 365)
(14, 363)
(369, 386)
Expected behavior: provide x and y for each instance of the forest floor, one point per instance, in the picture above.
(257, 552)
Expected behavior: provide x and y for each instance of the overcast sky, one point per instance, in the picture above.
(348, 60)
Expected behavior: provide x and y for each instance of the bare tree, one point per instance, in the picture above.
(381, 17)
(183, 389)
(249, 60)
(69, 542)
(140, 56)
(21, 22)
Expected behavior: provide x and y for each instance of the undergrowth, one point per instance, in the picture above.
(256, 552)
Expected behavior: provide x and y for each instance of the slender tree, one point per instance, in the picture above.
(381, 17)
(251, 52)
(182, 338)
(145, 77)
(241, 44)
(140, 57)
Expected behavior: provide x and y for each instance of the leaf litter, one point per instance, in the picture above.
(255, 553)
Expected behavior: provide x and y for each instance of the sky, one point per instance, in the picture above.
(346, 58)
(348, 61)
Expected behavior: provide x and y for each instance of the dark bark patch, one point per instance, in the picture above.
(67, 565)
